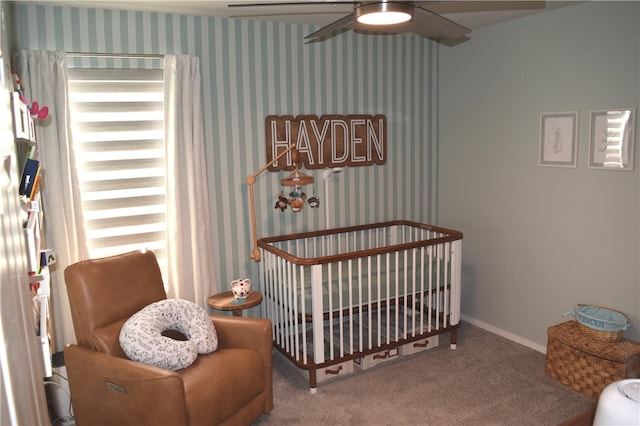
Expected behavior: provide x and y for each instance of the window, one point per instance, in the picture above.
(118, 135)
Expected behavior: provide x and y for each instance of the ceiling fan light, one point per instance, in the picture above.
(384, 13)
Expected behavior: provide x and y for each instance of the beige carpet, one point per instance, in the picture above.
(487, 380)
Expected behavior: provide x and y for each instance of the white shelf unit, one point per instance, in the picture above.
(39, 259)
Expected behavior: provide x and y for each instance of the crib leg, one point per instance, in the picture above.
(313, 385)
(454, 338)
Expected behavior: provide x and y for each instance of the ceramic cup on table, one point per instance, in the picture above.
(240, 288)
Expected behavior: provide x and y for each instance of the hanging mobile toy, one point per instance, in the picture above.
(282, 202)
(298, 193)
(314, 201)
(297, 199)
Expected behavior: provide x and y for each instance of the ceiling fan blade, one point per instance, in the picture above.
(291, 3)
(334, 26)
(430, 24)
(425, 22)
(469, 6)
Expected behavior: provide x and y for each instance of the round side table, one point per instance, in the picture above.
(223, 302)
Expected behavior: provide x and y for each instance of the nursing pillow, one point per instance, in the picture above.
(141, 336)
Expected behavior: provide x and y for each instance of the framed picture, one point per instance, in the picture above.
(558, 139)
(611, 139)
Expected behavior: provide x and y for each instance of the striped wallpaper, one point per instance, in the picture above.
(252, 69)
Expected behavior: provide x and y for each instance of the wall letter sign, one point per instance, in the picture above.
(329, 141)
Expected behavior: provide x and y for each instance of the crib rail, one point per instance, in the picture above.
(340, 294)
(318, 247)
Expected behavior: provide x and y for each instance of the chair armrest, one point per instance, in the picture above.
(242, 332)
(106, 389)
(250, 333)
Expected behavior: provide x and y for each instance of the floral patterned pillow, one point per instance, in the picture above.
(142, 340)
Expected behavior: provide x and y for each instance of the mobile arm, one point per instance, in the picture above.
(251, 179)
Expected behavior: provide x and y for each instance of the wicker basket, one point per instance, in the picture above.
(600, 323)
(588, 365)
(603, 336)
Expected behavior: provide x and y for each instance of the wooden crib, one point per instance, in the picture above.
(360, 295)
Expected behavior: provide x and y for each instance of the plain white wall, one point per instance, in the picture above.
(538, 240)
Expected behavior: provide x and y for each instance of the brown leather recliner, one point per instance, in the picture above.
(232, 385)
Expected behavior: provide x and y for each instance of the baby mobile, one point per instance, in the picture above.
(35, 110)
(297, 178)
(296, 200)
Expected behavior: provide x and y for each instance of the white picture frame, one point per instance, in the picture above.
(612, 139)
(558, 139)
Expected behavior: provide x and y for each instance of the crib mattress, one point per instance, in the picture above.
(362, 281)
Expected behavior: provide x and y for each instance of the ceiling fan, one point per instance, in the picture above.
(386, 16)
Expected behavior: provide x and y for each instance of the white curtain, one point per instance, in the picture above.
(189, 250)
(189, 245)
(45, 80)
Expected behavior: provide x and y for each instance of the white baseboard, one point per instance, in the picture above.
(505, 334)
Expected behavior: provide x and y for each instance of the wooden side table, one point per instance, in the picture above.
(223, 302)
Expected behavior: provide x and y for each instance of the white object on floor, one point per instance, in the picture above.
(619, 404)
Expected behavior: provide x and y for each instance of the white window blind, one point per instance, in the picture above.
(118, 135)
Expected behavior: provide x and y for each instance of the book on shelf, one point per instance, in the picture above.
(32, 239)
(30, 151)
(30, 174)
(36, 185)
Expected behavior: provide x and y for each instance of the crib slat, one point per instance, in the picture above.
(286, 288)
(292, 292)
(277, 282)
(388, 310)
(405, 292)
(303, 315)
(421, 298)
(438, 287)
(396, 295)
(294, 303)
(369, 305)
(350, 319)
(379, 298)
(360, 304)
(456, 271)
(414, 302)
(430, 297)
(446, 280)
(267, 289)
(340, 309)
(316, 313)
(330, 309)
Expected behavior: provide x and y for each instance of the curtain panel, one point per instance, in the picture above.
(190, 250)
(45, 79)
(189, 245)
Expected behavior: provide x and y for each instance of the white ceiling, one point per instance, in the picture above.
(472, 14)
